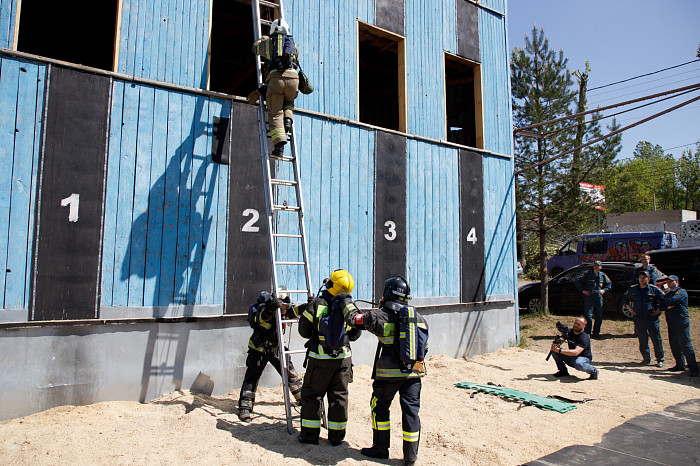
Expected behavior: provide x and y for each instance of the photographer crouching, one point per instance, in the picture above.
(578, 355)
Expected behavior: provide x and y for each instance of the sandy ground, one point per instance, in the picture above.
(186, 427)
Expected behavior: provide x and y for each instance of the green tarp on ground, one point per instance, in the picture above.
(525, 397)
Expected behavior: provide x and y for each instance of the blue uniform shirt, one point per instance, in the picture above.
(653, 273)
(645, 301)
(675, 304)
(588, 281)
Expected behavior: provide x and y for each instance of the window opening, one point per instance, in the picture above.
(463, 101)
(382, 78)
(76, 31)
(595, 247)
(232, 61)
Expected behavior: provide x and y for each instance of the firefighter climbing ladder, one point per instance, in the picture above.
(275, 190)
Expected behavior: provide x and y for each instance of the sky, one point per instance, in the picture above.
(622, 39)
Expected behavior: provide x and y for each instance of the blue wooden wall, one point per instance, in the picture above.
(165, 199)
(166, 202)
(21, 104)
(7, 22)
(165, 40)
(432, 220)
(499, 183)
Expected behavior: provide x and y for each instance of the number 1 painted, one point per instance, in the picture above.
(74, 202)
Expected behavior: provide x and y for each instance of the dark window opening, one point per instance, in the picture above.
(461, 108)
(595, 247)
(76, 31)
(232, 68)
(381, 98)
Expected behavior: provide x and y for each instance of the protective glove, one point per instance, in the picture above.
(253, 97)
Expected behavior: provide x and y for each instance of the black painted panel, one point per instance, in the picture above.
(389, 206)
(76, 125)
(389, 15)
(468, 30)
(472, 221)
(221, 146)
(248, 265)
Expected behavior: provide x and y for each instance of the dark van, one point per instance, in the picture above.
(682, 262)
(612, 247)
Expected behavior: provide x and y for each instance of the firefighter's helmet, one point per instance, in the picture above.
(340, 282)
(279, 25)
(396, 289)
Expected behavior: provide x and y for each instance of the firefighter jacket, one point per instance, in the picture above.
(645, 301)
(264, 336)
(309, 315)
(383, 323)
(263, 47)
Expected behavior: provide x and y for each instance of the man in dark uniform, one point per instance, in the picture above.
(643, 301)
(593, 284)
(579, 355)
(329, 371)
(675, 305)
(653, 271)
(390, 374)
(263, 348)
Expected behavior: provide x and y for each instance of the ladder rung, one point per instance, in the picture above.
(289, 321)
(295, 351)
(282, 158)
(287, 208)
(266, 22)
(285, 235)
(283, 182)
(288, 263)
(294, 291)
(268, 4)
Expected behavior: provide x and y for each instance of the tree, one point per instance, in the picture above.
(541, 92)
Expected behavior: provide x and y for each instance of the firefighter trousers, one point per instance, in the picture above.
(383, 392)
(330, 378)
(282, 89)
(255, 365)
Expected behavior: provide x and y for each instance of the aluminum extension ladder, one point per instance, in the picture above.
(275, 190)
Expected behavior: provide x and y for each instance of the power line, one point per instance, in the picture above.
(644, 83)
(644, 90)
(642, 75)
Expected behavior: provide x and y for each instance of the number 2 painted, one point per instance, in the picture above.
(74, 202)
(249, 226)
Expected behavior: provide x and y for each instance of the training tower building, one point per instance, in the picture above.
(133, 232)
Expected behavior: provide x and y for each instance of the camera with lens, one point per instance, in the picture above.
(561, 338)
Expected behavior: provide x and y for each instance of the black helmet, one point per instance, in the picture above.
(396, 289)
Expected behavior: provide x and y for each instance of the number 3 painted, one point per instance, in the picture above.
(249, 226)
(74, 202)
(471, 237)
(391, 236)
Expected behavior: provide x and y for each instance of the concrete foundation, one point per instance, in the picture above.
(64, 363)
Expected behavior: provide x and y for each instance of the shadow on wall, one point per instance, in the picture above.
(177, 193)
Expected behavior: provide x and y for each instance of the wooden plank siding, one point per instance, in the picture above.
(7, 23)
(166, 201)
(499, 196)
(165, 40)
(22, 86)
(433, 256)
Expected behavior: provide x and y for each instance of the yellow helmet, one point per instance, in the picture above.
(340, 282)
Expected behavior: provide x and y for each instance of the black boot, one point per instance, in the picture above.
(278, 151)
(244, 414)
(376, 451)
(287, 125)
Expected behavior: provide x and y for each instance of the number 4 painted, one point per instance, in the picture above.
(74, 202)
(471, 237)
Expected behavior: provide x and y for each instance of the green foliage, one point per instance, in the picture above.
(633, 185)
